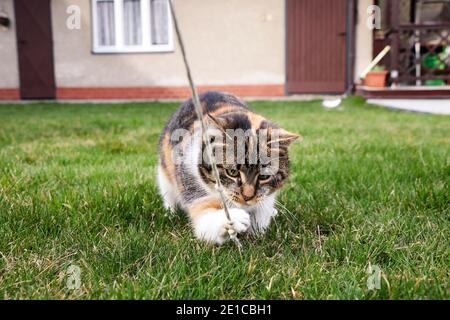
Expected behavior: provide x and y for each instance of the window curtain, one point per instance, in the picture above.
(132, 22)
(105, 17)
(160, 23)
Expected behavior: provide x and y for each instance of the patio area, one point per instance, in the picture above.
(416, 105)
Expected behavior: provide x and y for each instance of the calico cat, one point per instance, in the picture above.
(185, 176)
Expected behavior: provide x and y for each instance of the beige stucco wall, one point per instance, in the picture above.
(9, 74)
(243, 43)
(228, 42)
(364, 39)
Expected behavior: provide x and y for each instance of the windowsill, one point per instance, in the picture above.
(131, 49)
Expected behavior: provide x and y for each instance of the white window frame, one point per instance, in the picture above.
(120, 46)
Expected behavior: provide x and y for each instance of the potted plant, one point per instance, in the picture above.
(376, 77)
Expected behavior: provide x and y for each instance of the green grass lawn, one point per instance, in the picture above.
(368, 186)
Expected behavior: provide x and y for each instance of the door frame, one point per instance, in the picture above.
(350, 47)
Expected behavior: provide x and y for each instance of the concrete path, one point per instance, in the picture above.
(436, 106)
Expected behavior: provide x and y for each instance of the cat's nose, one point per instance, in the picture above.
(248, 192)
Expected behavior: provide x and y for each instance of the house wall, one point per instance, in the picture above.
(247, 58)
(9, 73)
(364, 39)
(229, 43)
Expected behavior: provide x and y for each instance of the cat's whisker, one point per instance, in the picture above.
(285, 210)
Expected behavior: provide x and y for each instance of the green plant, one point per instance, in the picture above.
(378, 68)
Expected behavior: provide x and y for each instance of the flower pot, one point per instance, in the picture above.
(375, 79)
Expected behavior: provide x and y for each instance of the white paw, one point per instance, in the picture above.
(213, 226)
(240, 219)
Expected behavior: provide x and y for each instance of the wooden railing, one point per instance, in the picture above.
(420, 54)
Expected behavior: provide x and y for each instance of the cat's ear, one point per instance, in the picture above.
(285, 137)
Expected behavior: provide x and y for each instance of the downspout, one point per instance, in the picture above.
(349, 47)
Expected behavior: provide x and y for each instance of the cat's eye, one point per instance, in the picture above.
(233, 172)
(263, 177)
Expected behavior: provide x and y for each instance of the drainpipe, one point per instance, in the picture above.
(349, 46)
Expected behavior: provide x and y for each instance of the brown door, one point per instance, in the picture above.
(316, 46)
(35, 49)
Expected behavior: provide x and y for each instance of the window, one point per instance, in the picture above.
(131, 26)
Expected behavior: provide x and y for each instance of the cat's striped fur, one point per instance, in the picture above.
(187, 181)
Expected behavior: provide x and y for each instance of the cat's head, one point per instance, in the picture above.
(251, 155)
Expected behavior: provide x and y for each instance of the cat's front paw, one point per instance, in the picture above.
(240, 220)
(214, 226)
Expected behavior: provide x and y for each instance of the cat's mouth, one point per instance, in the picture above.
(240, 202)
(250, 203)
